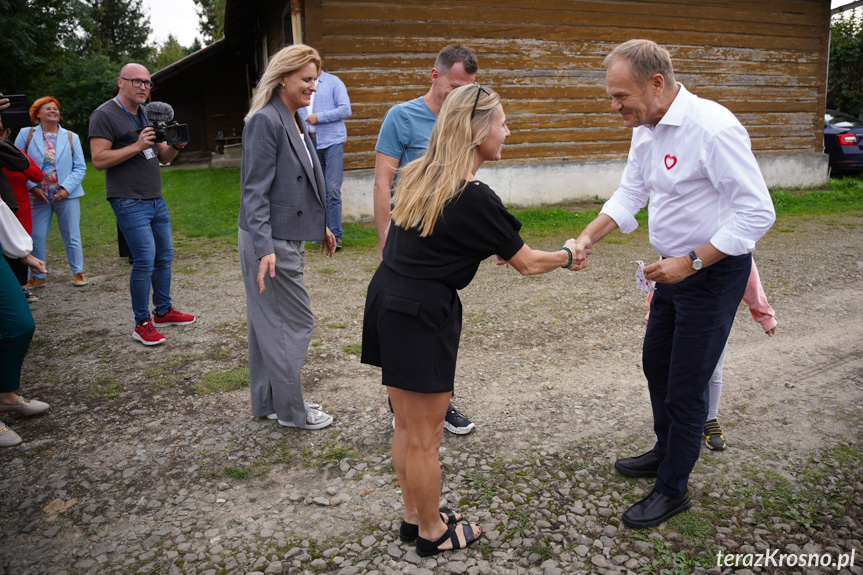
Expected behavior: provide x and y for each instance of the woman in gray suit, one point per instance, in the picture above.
(283, 205)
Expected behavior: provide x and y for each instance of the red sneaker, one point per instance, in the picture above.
(147, 334)
(173, 317)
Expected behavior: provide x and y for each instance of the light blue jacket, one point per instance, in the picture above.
(333, 107)
(70, 164)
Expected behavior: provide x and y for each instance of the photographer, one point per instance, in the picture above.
(123, 143)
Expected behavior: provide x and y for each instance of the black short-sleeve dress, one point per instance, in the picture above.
(412, 320)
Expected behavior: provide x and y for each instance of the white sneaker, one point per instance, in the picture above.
(315, 419)
(308, 406)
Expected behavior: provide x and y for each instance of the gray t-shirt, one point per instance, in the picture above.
(138, 177)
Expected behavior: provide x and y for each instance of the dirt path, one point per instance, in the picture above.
(549, 368)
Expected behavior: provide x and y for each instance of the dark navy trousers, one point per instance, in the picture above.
(686, 333)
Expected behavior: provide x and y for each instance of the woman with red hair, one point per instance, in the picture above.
(58, 152)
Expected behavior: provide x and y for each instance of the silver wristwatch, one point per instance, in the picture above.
(697, 264)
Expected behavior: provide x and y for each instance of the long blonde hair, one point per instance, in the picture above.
(288, 59)
(429, 182)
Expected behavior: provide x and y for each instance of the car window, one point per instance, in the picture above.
(841, 119)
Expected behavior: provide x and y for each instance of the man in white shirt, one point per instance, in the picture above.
(709, 205)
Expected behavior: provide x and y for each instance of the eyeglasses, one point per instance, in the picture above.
(137, 82)
(475, 102)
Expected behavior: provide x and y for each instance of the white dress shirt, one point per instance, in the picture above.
(697, 169)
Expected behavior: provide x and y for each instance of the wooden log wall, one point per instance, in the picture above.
(766, 60)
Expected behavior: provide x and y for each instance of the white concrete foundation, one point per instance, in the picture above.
(552, 183)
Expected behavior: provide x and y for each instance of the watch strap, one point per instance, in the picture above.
(694, 258)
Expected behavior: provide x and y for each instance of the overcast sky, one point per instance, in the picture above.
(178, 17)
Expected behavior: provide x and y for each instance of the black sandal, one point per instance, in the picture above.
(427, 548)
(408, 532)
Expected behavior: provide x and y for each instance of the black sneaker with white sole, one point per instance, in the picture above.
(457, 423)
(713, 437)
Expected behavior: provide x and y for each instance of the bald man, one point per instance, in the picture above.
(123, 143)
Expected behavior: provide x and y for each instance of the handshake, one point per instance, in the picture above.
(528, 261)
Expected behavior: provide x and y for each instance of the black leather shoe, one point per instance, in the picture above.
(645, 465)
(654, 509)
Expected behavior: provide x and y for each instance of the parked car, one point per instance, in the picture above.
(843, 140)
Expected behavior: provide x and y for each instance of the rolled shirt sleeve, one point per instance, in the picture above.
(733, 170)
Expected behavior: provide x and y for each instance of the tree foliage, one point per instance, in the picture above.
(32, 33)
(212, 15)
(116, 28)
(82, 84)
(168, 53)
(171, 51)
(845, 75)
(73, 50)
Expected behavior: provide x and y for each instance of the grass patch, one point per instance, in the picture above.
(238, 473)
(353, 348)
(841, 195)
(281, 452)
(336, 325)
(330, 451)
(698, 530)
(486, 486)
(105, 387)
(541, 548)
(667, 561)
(223, 381)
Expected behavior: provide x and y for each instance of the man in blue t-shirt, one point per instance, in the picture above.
(404, 137)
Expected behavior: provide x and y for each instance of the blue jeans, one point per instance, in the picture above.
(68, 219)
(331, 163)
(686, 334)
(146, 226)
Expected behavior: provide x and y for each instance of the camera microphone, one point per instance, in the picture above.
(161, 115)
(159, 112)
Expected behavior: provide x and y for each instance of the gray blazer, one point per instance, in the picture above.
(283, 195)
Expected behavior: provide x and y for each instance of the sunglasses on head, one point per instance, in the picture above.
(475, 102)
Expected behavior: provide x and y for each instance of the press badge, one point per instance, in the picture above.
(149, 153)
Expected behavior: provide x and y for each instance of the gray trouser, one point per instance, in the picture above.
(280, 324)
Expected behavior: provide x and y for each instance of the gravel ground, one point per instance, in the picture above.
(136, 470)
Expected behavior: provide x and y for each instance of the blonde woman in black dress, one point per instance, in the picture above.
(444, 224)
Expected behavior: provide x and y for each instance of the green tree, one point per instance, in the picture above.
(116, 28)
(83, 82)
(845, 75)
(212, 15)
(168, 53)
(31, 40)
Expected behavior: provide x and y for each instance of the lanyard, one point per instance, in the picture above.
(140, 117)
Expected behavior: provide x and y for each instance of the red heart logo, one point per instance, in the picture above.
(670, 161)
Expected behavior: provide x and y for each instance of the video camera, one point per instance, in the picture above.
(161, 115)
